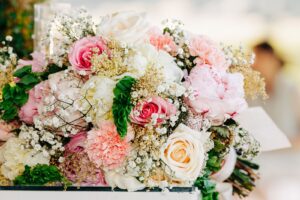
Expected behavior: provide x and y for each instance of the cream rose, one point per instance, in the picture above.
(184, 153)
(128, 27)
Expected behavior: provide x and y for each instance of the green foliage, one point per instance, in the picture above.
(14, 96)
(39, 175)
(207, 187)
(244, 177)
(122, 105)
(222, 138)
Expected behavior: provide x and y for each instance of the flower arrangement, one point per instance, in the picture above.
(125, 104)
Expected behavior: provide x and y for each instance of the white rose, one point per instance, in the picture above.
(128, 27)
(147, 54)
(184, 153)
(125, 182)
(98, 91)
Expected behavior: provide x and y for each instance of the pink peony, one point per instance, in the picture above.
(60, 94)
(82, 51)
(6, 128)
(162, 41)
(38, 62)
(156, 107)
(105, 147)
(207, 53)
(217, 95)
(77, 143)
(30, 109)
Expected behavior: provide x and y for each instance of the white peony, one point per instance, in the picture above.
(184, 153)
(147, 55)
(98, 92)
(126, 182)
(13, 158)
(127, 27)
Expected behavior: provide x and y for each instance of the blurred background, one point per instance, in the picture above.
(271, 28)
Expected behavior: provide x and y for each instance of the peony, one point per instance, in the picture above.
(30, 109)
(126, 27)
(59, 108)
(216, 95)
(6, 129)
(77, 143)
(162, 41)
(99, 93)
(105, 147)
(207, 53)
(184, 153)
(155, 110)
(38, 62)
(13, 158)
(82, 51)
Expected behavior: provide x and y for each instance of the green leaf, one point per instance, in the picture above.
(22, 71)
(39, 175)
(221, 130)
(10, 113)
(207, 187)
(122, 104)
(30, 80)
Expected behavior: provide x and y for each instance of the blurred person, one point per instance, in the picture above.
(280, 174)
(283, 102)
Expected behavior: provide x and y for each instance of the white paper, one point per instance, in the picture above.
(81, 195)
(261, 126)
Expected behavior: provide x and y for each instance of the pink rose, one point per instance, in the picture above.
(216, 95)
(82, 51)
(77, 143)
(207, 53)
(38, 62)
(30, 109)
(162, 41)
(105, 147)
(156, 108)
(6, 128)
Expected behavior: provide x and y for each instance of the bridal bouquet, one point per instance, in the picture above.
(129, 105)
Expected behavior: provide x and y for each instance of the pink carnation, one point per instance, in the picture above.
(6, 128)
(105, 147)
(77, 143)
(30, 109)
(162, 41)
(217, 95)
(38, 62)
(82, 51)
(144, 112)
(207, 53)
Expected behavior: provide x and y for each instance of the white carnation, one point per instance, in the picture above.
(100, 96)
(13, 158)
